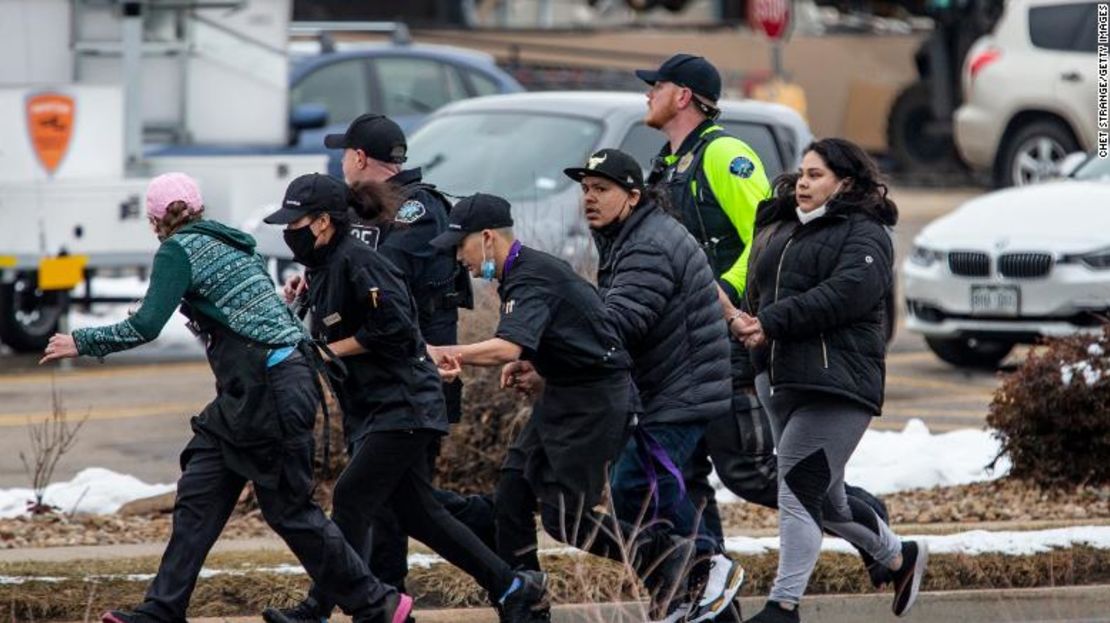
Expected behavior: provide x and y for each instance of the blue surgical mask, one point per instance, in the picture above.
(489, 268)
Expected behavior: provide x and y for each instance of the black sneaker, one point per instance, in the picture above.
(127, 616)
(542, 615)
(522, 603)
(667, 580)
(394, 608)
(907, 579)
(308, 611)
(773, 612)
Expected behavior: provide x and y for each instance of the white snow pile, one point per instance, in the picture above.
(175, 339)
(913, 458)
(94, 490)
(972, 542)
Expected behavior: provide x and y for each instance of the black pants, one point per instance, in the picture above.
(390, 469)
(741, 447)
(390, 544)
(564, 517)
(208, 491)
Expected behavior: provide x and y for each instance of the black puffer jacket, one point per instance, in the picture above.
(821, 295)
(661, 299)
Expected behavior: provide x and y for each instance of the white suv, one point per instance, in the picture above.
(1030, 91)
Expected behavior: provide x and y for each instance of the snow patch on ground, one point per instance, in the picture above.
(94, 490)
(971, 543)
(883, 463)
(913, 458)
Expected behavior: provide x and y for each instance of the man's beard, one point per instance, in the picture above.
(658, 116)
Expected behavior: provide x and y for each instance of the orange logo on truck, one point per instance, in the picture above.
(50, 123)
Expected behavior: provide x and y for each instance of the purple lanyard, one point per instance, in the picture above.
(514, 251)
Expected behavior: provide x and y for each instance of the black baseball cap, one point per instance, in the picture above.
(377, 135)
(310, 194)
(474, 213)
(692, 72)
(611, 164)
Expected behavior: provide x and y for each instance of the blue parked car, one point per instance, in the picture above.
(406, 82)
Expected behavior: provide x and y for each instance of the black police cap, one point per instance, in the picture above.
(472, 214)
(692, 72)
(612, 164)
(377, 135)
(310, 194)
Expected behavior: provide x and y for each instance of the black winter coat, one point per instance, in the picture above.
(821, 295)
(661, 299)
(356, 292)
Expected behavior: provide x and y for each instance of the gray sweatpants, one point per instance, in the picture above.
(815, 435)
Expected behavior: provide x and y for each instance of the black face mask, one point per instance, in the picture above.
(302, 242)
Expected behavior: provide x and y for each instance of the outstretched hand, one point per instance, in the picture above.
(61, 346)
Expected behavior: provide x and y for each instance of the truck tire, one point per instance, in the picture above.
(970, 353)
(912, 133)
(29, 316)
(1031, 152)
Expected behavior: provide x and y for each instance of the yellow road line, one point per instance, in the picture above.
(184, 409)
(944, 414)
(962, 397)
(897, 379)
(934, 427)
(911, 356)
(81, 374)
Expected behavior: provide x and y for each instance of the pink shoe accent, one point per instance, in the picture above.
(108, 617)
(404, 609)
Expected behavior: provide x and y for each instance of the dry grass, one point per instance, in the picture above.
(574, 579)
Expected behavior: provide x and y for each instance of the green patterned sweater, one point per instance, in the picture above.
(214, 268)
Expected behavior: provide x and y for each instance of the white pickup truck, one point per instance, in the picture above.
(97, 96)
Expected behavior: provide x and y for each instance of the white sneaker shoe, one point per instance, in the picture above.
(726, 576)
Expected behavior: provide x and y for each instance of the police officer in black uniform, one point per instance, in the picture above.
(553, 324)
(391, 399)
(398, 215)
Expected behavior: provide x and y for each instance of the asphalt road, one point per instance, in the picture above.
(139, 407)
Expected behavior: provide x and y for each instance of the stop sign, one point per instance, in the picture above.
(770, 16)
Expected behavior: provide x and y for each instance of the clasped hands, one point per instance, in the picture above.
(747, 329)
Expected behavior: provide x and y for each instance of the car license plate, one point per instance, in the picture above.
(995, 300)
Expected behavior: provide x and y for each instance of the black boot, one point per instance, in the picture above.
(128, 616)
(773, 612)
(525, 598)
(308, 611)
(666, 581)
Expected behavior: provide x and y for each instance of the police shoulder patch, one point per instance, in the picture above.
(410, 212)
(741, 167)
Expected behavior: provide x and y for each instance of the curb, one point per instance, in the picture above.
(1075, 604)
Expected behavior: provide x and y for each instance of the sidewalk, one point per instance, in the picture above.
(1085, 604)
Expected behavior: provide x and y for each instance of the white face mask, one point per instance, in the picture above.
(816, 213)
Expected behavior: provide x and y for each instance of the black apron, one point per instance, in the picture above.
(575, 432)
(242, 420)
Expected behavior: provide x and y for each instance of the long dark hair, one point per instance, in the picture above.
(374, 202)
(866, 193)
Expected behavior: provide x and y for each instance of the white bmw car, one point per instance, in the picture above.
(1011, 267)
